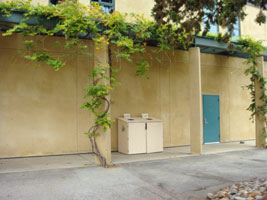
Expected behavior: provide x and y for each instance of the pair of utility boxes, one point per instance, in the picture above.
(140, 135)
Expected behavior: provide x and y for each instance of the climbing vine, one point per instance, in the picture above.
(125, 34)
(255, 49)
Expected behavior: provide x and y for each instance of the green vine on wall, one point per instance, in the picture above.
(255, 49)
(98, 93)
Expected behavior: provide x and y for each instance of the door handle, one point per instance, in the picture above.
(205, 121)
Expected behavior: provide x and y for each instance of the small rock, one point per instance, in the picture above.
(209, 195)
(233, 192)
(227, 195)
(220, 194)
(255, 193)
(239, 198)
(243, 193)
(224, 198)
(259, 197)
(262, 189)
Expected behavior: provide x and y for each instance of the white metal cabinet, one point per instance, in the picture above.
(131, 136)
(140, 135)
(154, 135)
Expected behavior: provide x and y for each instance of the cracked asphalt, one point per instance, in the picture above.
(179, 178)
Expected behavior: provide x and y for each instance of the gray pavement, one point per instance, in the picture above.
(37, 163)
(177, 178)
(183, 151)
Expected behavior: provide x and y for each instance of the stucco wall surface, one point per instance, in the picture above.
(39, 108)
(224, 76)
(251, 28)
(265, 69)
(137, 6)
(165, 95)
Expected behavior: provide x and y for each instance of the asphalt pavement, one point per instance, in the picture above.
(180, 178)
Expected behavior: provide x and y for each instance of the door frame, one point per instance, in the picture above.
(220, 138)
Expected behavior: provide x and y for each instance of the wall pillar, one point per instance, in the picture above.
(196, 116)
(259, 120)
(104, 139)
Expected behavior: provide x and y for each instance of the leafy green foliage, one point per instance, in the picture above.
(189, 15)
(255, 49)
(130, 33)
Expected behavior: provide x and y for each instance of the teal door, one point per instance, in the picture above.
(211, 118)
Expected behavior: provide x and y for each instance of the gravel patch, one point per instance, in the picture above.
(249, 190)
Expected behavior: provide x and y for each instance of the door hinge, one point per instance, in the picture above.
(146, 126)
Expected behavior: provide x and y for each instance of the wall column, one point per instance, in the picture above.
(259, 120)
(196, 116)
(104, 138)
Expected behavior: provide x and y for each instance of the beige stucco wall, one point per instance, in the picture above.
(265, 69)
(166, 96)
(251, 28)
(222, 75)
(39, 108)
(137, 6)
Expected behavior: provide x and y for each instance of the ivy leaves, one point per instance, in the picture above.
(255, 49)
(130, 33)
(97, 96)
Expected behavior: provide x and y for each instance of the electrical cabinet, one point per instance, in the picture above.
(154, 135)
(140, 135)
(131, 136)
